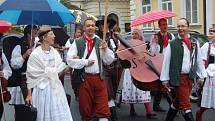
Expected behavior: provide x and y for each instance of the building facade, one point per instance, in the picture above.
(119, 10)
(193, 10)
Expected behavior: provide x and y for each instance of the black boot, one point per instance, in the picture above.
(171, 114)
(156, 102)
(188, 116)
(113, 114)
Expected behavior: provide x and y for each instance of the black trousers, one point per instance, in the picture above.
(158, 96)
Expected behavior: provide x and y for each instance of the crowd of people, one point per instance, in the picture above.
(101, 80)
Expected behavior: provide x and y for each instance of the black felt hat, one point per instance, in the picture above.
(101, 20)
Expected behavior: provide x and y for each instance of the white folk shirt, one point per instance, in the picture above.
(186, 64)
(16, 58)
(107, 58)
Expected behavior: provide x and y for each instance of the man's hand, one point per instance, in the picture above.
(103, 45)
(91, 62)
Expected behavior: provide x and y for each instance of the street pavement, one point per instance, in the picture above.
(122, 111)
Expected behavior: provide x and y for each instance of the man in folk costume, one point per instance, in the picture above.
(18, 62)
(110, 71)
(163, 38)
(182, 64)
(92, 52)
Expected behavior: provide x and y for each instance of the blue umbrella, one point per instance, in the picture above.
(39, 12)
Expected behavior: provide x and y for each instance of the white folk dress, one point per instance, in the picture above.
(48, 94)
(130, 93)
(208, 95)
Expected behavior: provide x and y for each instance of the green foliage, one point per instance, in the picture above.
(17, 29)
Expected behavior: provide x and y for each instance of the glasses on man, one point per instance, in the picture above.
(211, 30)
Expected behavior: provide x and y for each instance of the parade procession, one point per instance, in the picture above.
(107, 60)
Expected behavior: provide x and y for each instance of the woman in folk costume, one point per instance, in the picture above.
(45, 90)
(5, 73)
(208, 95)
(130, 93)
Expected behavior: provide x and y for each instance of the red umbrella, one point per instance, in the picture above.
(152, 16)
(4, 26)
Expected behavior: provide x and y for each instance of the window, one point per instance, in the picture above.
(127, 27)
(192, 11)
(167, 5)
(146, 7)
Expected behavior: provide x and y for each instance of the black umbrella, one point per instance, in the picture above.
(61, 36)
